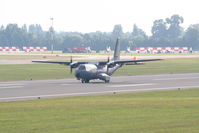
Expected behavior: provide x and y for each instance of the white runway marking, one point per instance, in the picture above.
(178, 78)
(66, 84)
(102, 92)
(11, 84)
(10, 87)
(129, 85)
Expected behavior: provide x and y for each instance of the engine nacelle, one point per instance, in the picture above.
(104, 76)
(135, 63)
(74, 65)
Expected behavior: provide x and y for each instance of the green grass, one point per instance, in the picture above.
(33, 71)
(33, 57)
(56, 55)
(159, 54)
(149, 112)
(181, 65)
(53, 71)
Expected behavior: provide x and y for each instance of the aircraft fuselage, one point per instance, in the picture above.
(87, 72)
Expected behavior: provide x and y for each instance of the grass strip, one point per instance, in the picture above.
(149, 112)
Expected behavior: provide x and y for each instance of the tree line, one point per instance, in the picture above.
(164, 32)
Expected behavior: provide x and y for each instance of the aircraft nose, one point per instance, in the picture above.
(77, 75)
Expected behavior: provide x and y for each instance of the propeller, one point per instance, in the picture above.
(108, 60)
(71, 61)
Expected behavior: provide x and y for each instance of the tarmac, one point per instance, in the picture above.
(37, 89)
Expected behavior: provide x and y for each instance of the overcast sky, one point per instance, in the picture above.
(96, 15)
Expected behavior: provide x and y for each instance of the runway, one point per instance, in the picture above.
(36, 89)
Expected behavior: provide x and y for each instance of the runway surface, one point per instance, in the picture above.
(24, 90)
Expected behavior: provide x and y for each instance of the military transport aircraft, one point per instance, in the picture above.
(102, 70)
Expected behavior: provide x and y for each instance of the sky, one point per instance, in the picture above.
(96, 15)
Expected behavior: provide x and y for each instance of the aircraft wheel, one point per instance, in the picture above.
(107, 81)
(86, 81)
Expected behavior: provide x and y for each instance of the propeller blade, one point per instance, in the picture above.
(71, 59)
(108, 60)
(71, 68)
(107, 70)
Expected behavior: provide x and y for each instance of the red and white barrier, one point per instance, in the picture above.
(29, 49)
(9, 49)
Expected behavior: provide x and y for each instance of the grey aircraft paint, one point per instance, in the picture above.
(102, 70)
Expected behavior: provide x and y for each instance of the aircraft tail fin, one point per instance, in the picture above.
(117, 50)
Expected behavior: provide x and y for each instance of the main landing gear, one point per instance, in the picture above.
(106, 81)
(85, 81)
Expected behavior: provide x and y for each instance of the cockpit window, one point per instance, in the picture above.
(82, 67)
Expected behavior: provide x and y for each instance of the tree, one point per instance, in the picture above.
(24, 36)
(13, 35)
(2, 28)
(73, 40)
(174, 29)
(36, 35)
(138, 32)
(191, 36)
(2, 36)
(37, 29)
(165, 32)
(138, 36)
(159, 30)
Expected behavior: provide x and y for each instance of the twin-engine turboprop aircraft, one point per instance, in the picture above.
(89, 70)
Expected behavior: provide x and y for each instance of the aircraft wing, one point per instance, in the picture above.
(55, 62)
(77, 63)
(123, 62)
(62, 62)
(132, 62)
